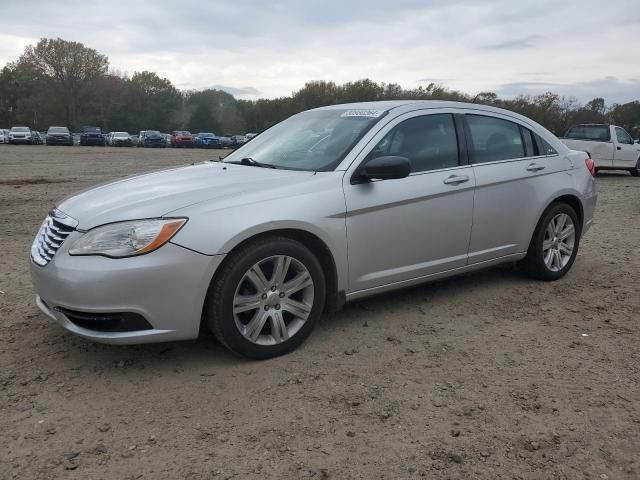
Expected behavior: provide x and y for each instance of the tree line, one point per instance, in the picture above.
(57, 82)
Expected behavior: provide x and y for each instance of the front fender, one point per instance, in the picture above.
(317, 208)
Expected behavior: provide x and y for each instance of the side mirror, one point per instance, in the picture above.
(384, 168)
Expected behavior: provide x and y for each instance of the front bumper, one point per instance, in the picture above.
(166, 287)
(59, 141)
(26, 141)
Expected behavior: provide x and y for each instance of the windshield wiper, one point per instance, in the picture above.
(253, 163)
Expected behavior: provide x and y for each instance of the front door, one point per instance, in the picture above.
(404, 229)
(626, 152)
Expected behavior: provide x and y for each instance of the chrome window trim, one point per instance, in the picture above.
(510, 160)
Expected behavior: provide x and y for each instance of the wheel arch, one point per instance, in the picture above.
(335, 298)
(573, 201)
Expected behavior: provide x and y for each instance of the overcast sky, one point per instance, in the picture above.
(259, 49)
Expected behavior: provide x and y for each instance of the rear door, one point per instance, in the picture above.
(399, 230)
(626, 151)
(516, 172)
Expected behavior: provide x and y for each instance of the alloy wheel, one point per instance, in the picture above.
(273, 300)
(559, 241)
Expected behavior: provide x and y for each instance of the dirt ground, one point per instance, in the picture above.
(486, 376)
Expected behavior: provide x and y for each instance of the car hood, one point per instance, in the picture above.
(155, 194)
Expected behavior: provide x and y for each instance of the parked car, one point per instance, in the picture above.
(610, 146)
(20, 135)
(120, 139)
(237, 141)
(226, 142)
(92, 136)
(207, 140)
(182, 138)
(4, 135)
(167, 139)
(135, 140)
(59, 136)
(249, 136)
(151, 138)
(256, 246)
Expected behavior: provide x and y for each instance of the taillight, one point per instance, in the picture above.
(591, 166)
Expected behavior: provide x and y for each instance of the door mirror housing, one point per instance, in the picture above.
(383, 168)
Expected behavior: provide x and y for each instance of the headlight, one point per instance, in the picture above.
(127, 239)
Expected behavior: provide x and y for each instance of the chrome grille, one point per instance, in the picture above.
(54, 230)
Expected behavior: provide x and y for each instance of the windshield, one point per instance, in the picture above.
(91, 130)
(121, 134)
(206, 135)
(20, 129)
(152, 133)
(58, 130)
(316, 140)
(589, 132)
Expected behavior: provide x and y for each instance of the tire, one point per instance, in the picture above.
(234, 281)
(541, 262)
(635, 172)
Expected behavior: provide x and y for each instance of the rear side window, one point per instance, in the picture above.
(429, 142)
(529, 144)
(494, 139)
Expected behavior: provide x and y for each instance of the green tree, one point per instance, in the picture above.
(69, 67)
(202, 120)
(153, 101)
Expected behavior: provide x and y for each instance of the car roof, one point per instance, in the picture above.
(401, 106)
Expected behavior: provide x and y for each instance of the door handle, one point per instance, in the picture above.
(619, 147)
(535, 167)
(456, 179)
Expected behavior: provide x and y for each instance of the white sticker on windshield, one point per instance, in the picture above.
(363, 113)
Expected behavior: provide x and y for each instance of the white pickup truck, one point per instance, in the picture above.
(610, 147)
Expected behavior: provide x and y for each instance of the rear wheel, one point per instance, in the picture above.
(267, 298)
(555, 243)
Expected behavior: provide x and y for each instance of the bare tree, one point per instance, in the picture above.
(69, 66)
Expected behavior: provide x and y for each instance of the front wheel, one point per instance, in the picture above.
(267, 298)
(555, 243)
(635, 172)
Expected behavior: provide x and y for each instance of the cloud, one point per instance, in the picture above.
(276, 47)
(517, 44)
(238, 91)
(611, 88)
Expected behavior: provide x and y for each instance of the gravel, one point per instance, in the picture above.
(485, 376)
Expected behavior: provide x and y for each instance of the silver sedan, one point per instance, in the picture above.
(331, 205)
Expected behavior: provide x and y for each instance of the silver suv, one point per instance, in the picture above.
(331, 205)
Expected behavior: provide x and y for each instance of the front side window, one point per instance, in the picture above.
(623, 136)
(494, 139)
(429, 142)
